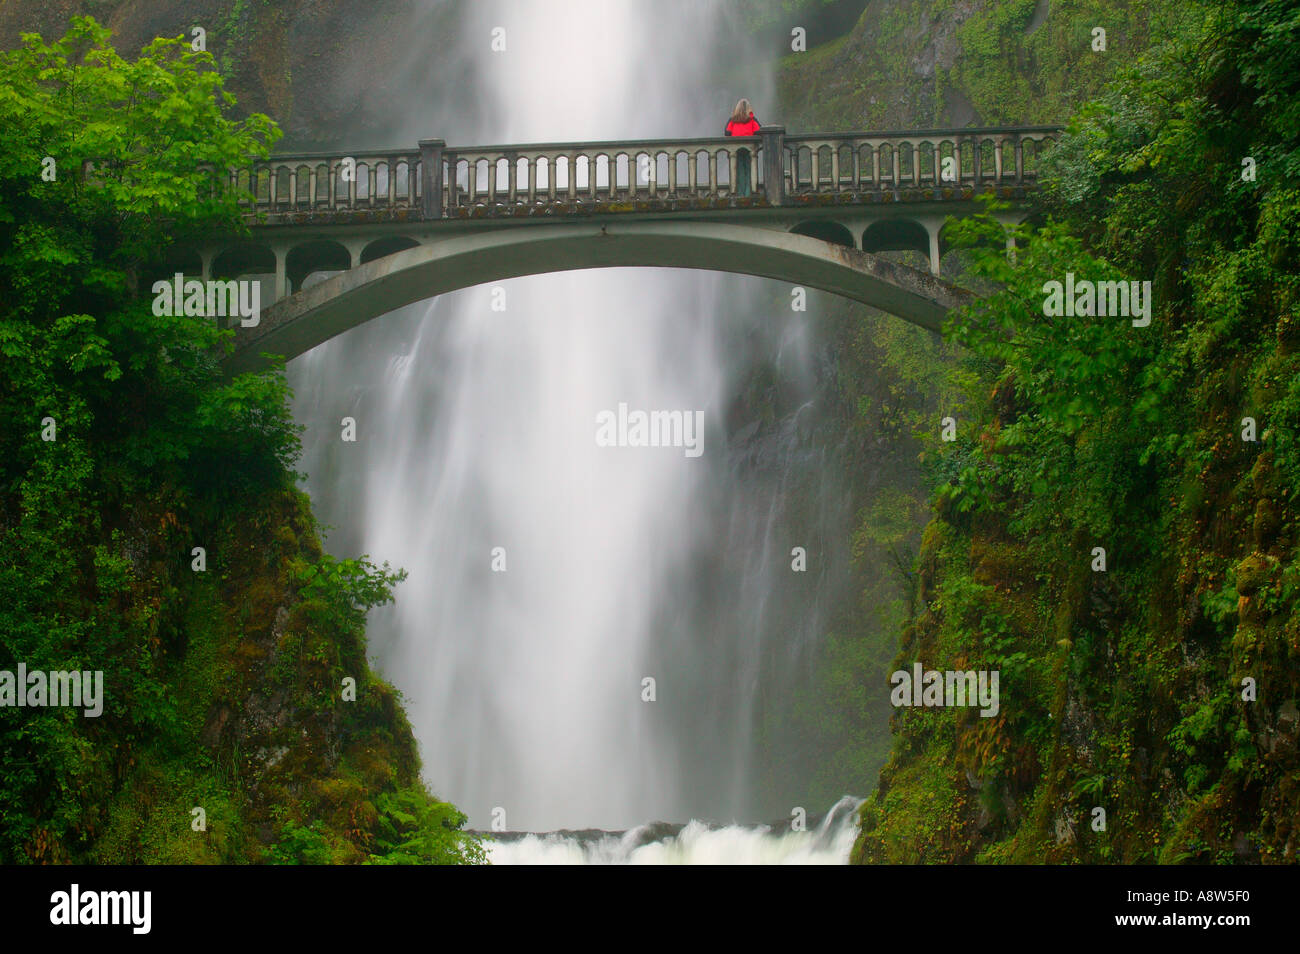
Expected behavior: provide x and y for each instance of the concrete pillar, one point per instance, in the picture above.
(281, 279)
(932, 228)
(857, 228)
(1009, 221)
(773, 144)
(431, 176)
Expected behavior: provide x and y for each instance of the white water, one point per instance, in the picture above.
(476, 431)
(828, 844)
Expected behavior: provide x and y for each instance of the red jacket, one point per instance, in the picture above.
(743, 129)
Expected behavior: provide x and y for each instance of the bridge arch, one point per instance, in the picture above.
(243, 258)
(896, 235)
(322, 255)
(186, 261)
(388, 245)
(313, 315)
(826, 231)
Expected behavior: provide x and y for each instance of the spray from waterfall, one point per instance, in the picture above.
(550, 577)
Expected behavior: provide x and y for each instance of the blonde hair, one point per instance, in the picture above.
(741, 113)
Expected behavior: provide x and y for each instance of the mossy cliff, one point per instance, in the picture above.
(286, 58)
(912, 64)
(261, 735)
(149, 526)
(1148, 710)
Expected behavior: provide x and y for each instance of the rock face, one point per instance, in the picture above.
(909, 64)
(313, 65)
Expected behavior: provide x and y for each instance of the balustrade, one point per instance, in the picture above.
(439, 181)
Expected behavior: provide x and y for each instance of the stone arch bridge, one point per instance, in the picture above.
(398, 226)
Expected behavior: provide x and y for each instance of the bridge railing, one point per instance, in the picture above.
(625, 171)
(872, 161)
(437, 181)
(326, 181)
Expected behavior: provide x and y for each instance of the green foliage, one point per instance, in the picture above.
(155, 452)
(302, 845)
(124, 389)
(415, 829)
(350, 586)
(1126, 684)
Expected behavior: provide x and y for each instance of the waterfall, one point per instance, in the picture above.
(549, 577)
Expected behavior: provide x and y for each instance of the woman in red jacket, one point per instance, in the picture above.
(742, 123)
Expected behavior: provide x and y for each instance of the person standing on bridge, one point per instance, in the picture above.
(742, 123)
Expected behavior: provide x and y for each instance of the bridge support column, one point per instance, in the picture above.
(281, 279)
(354, 248)
(431, 176)
(1008, 223)
(933, 225)
(772, 139)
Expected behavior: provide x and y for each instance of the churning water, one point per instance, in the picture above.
(829, 842)
(550, 577)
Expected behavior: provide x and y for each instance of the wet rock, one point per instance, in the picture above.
(1252, 573)
(1242, 848)
(1064, 829)
(1288, 717)
(210, 736)
(1267, 523)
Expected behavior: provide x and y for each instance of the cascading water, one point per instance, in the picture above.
(827, 841)
(476, 431)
